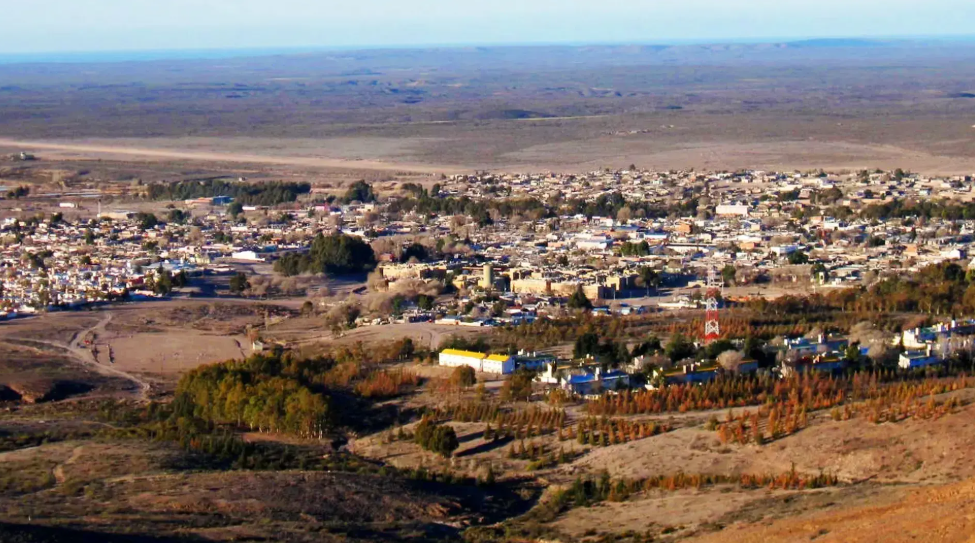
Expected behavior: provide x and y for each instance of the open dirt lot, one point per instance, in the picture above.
(145, 343)
(224, 151)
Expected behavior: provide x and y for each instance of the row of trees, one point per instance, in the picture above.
(263, 194)
(588, 491)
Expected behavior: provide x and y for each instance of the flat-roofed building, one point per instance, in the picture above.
(493, 363)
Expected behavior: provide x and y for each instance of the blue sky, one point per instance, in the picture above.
(129, 25)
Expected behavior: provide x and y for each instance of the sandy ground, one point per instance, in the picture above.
(660, 509)
(145, 343)
(172, 351)
(208, 150)
(942, 514)
(856, 450)
(419, 154)
(718, 155)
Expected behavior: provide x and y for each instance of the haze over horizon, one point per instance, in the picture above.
(63, 26)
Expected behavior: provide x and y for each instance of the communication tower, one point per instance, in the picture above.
(712, 326)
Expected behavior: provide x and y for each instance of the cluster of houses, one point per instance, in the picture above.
(922, 347)
(760, 224)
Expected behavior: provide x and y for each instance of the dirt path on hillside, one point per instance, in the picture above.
(105, 151)
(58, 470)
(78, 353)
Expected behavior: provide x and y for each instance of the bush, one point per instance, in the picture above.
(437, 438)
(463, 377)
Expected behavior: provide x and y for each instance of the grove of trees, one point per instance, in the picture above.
(334, 254)
(264, 194)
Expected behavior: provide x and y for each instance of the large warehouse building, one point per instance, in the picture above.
(487, 363)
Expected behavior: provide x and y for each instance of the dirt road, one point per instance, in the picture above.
(106, 151)
(77, 352)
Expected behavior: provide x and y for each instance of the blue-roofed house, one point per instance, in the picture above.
(918, 359)
(585, 380)
(686, 374)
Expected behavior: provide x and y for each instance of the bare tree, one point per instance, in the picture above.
(731, 360)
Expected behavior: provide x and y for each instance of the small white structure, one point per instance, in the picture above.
(731, 210)
(493, 363)
(246, 255)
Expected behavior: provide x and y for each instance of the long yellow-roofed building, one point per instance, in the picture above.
(483, 362)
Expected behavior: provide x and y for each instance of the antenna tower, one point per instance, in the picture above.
(712, 326)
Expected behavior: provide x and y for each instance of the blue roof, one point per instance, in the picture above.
(589, 377)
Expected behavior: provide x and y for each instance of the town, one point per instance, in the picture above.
(490, 250)
(616, 236)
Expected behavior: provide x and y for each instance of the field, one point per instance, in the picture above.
(378, 113)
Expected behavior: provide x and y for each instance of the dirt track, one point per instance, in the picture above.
(104, 151)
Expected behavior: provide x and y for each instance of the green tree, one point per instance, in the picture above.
(798, 258)
(679, 348)
(586, 344)
(339, 253)
(146, 221)
(235, 209)
(414, 250)
(178, 216)
(239, 283)
(578, 300)
(162, 282)
(728, 274)
(648, 278)
(360, 191)
(463, 377)
(717, 347)
(444, 441)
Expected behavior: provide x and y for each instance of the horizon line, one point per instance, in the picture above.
(189, 53)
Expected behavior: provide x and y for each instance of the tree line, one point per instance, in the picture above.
(263, 194)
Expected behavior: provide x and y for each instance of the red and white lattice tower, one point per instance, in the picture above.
(712, 326)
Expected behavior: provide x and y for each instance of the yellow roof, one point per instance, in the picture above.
(469, 354)
(498, 357)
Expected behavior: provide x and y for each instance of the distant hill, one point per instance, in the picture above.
(838, 42)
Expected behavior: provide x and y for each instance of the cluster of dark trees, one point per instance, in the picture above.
(943, 289)
(360, 191)
(609, 205)
(18, 193)
(578, 300)
(264, 194)
(629, 248)
(163, 281)
(334, 254)
(606, 205)
(608, 351)
(479, 211)
(938, 289)
(146, 220)
(438, 438)
(928, 209)
(476, 344)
